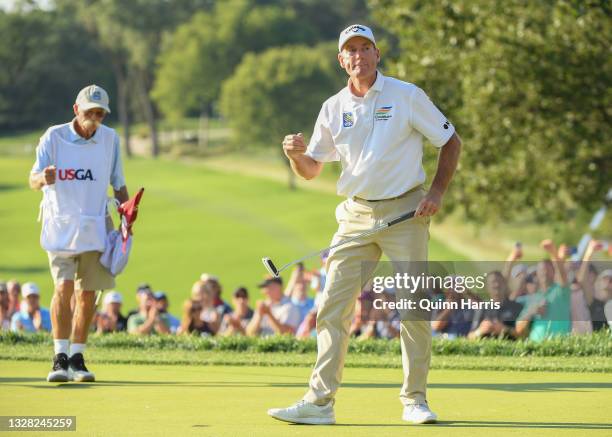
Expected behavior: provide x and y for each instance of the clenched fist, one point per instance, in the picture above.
(294, 145)
(48, 175)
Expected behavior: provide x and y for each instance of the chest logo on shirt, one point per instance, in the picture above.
(383, 113)
(347, 119)
(79, 174)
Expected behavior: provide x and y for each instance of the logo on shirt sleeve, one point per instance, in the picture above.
(347, 119)
(446, 124)
(383, 113)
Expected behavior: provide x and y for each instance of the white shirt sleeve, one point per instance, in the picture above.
(427, 119)
(117, 179)
(43, 158)
(321, 147)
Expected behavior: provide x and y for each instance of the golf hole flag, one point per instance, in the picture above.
(119, 243)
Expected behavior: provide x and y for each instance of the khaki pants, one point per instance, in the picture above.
(406, 241)
(84, 269)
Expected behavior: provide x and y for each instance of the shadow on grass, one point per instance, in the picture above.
(507, 387)
(11, 187)
(493, 424)
(22, 270)
(511, 387)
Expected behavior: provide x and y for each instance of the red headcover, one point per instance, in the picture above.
(128, 212)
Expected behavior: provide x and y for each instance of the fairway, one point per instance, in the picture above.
(208, 400)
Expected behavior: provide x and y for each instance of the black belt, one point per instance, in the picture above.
(390, 198)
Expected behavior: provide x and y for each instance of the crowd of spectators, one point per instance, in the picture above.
(553, 297)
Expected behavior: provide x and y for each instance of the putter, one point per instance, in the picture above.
(274, 271)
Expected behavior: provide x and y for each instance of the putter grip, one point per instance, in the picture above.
(401, 218)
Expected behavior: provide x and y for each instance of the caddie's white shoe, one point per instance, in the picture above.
(306, 413)
(419, 413)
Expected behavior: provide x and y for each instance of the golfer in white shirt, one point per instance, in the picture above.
(375, 127)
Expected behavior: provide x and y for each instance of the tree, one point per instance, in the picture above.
(131, 34)
(108, 35)
(40, 74)
(279, 91)
(203, 52)
(528, 86)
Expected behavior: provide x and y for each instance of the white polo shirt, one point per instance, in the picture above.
(378, 138)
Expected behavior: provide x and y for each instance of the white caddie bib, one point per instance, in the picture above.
(73, 210)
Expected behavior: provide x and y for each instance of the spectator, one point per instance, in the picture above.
(210, 314)
(297, 291)
(322, 272)
(213, 284)
(148, 320)
(31, 317)
(319, 277)
(276, 314)
(581, 316)
(499, 322)
(597, 289)
(515, 275)
(5, 318)
(141, 294)
(192, 322)
(110, 318)
(161, 301)
(603, 289)
(362, 325)
(547, 314)
(308, 327)
(14, 291)
(238, 320)
(387, 320)
(452, 322)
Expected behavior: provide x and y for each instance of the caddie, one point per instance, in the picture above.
(375, 127)
(75, 164)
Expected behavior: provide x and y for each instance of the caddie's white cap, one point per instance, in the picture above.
(112, 297)
(93, 96)
(355, 30)
(29, 288)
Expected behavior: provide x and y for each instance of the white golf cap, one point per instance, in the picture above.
(355, 30)
(93, 96)
(29, 288)
(113, 297)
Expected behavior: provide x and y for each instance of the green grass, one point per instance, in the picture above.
(192, 219)
(19, 143)
(597, 345)
(569, 354)
(232, 401)
(98, 354)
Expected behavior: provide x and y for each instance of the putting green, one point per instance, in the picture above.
(232, 401)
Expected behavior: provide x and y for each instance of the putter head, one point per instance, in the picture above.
(270, 267)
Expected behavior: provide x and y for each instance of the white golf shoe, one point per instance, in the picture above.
(418, 414)
(306, 413)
